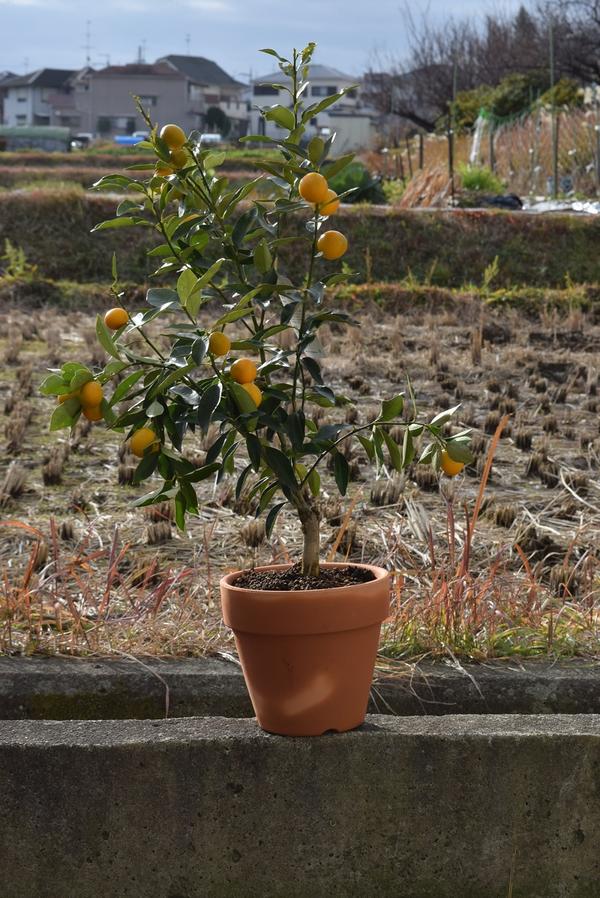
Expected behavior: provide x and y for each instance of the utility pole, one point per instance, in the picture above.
(553, 113)
(88, 42)
(451, 109)
(187, 43)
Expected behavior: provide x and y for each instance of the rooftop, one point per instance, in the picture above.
(42, 78)
(316, 72)
(136, 69)
(200, 70)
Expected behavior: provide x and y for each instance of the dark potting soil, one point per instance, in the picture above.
(293, 579)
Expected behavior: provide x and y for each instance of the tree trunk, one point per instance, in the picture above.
(310, 520)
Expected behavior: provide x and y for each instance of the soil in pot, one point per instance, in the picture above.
(292, 578)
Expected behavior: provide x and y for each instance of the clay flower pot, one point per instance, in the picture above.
(308, 656)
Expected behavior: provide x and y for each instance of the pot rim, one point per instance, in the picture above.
(227, 581)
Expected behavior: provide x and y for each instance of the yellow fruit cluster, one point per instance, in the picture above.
(175, 139)
(450, 467)
(244, 372)
(90, 397)
(314, 188)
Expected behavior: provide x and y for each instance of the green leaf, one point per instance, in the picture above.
(262, 256)
(214, 160)
(203, 473)
(208, 275)
(146, 467)
(63, 415)
(314, 482)
(81, 377)
(459, 451)
(254, 448)
(180, 509)
(208, 403)
(105, 339)
(155, 409)
(54, 385)
(281, 115)
(427, 454)
(408, 449)
(341, 472)
(337, 165)
(124, 387)
(445, 416)
(391, 408)
(316, 148)
(161, 297)
(272, 517)
(187, 285)
(242, 398)
(367, 445)
(280, 465)
(316, 108)
(199, 349)
(393, 449)
(295, 426)
(125, 222)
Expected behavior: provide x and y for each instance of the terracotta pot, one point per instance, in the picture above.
(308, 656)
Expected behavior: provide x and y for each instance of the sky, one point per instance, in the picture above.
(349, 34)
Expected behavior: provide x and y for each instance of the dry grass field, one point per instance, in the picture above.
(503, 561)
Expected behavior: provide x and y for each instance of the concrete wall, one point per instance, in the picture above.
(93, 689)
(447, 807)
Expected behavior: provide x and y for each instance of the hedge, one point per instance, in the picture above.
(449, 249)
(36, 292)
(236, 160)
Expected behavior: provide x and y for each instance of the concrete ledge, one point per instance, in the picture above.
(62, 689)
(438, 807)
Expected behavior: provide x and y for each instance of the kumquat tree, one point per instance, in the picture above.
(223, 248)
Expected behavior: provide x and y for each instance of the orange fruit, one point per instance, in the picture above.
(253, 392)
(331, 204)
(219, 343)
(450, 467)
(116, 318)
(91, 394)
(163, 170)
(64, 397)
(179, 158)
(93, 413)
(141, 440)
(313, 188)
(332, 244)
(173, 136)
(243, 371)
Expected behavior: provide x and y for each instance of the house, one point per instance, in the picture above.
(182, 89)
(5, 77)
(43, 97)
(110, 106)
(210, 88)
(352, 119)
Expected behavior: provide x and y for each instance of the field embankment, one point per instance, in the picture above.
(441, 248)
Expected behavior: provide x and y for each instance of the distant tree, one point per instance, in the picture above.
(217, 120)
(458, 58)
(103, 125)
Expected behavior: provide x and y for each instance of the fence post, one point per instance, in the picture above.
(410, 168)
(421, 150)
(492, 151)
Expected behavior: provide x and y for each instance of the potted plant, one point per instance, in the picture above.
(307, 634)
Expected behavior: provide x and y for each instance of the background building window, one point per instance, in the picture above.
(265, 90)
(322, 90)
(148, 101)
